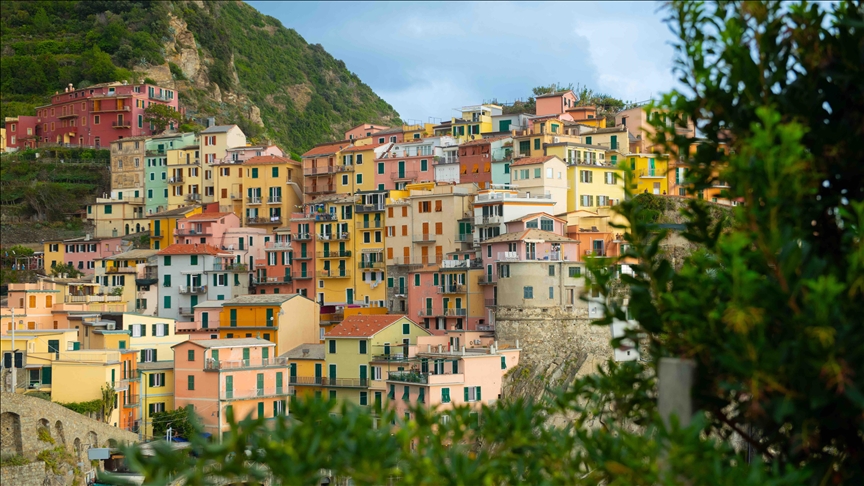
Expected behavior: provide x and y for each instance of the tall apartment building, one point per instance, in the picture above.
(156, 168)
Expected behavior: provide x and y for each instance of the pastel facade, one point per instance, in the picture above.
(593, 186)
(93, 116)
(119, 273)
(477, 157)
(272, 186)
(214, 144)
(364, 130)
(195, 273)
(127, 167)
(21, 133)
(474, 122)
(218, 377)
(494, 207)
(162, 225)
(320, 166)
(185, 176)
(650, 173)
(33, 305)
(542, 176)
(156, 168)
(306, 369)
(285, 320)
(410, 161)
(118, 215)
(82, 253)
(554, 103)
(157, 392)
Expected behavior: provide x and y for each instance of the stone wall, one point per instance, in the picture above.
(32, 474)
(22, 416)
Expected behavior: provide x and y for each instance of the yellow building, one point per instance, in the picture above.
(157, 392)
(361, 157)
(335, 265)
(120, 272)
(351, 345)
(162, 225)
(287, 320)
(649, 173)
(543, 131)
(416, 131)
(305, 369)
(42, 348)
(592, 186)
(215, 142)
(475, 121)
(153, 337)
(185, 176)
(272, 191)
(54, 254)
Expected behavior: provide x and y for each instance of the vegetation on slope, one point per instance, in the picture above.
(304, 94)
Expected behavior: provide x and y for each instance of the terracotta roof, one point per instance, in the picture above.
(486, 140)
(269, 160)
(173, 212)
(619, 128)
(363, 325)
(531, 234)
(327, 148)
(193, 249)
(206, 216)
(533, 160)
(557, 93)
(219, 129)
(534, 215)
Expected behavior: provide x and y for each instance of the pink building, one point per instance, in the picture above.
(237, 155)
(364, 130)
(82, 252)
(406, 163)
(459, 368)
(554, 103)
(223, 231)
(21, 132)
(220, 376)
(97, 115)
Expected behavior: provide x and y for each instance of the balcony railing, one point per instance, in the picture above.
(302, 256)
(87, 299)
(186, 311)
(121, 124)
(193, 232)
(446, 160)
(452, 289)
(595, 253)
(268, 391)
(329, 382)
(192, 289)
(456, 264)
(253, 200)
(490, 220)
(193, 197)
(369, 208)
(488, 279)
(159, 97)
(121, 270)
(175, 180)
(224, 364)
(465, 238)
(303, 237)
(342, 236)
(391, 357)
(334, 254)
(132, 401)
(491, 303)
(424, 238)
(429, 313)
(403, 175)
(324, 216)
(318, 188)
(377, 223)
(237, 197)
(370, 265)
(230, 267)
(303, 275)
(333, 273)
(272, 280)
(515, 256)
(319, 170)
(277, 245)
(455, 312)
(651, 173)
(274, 200)
(264, 220)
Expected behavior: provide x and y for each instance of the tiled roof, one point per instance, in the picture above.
(206, 216)
(533, 160)
(486, 140)
(362, 325)
(269, 160)
(227, 343)
(132, 255)
(619, 128)
(173, 212)
(389, 131)
(531, 234)
(371, 125)
(361, 148)
(263, 299)
(219, 129)
(305, 351)
(193, 249)
(534, 215)
(327, 148)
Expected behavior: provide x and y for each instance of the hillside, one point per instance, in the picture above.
(225, 58)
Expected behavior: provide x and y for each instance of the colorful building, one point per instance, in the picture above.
(194, 273)
(185, 176)
(493, 208)
(306, 364)
(127, 167)
(650, 173)
(157, 392)
(242, 377)
(364, 130)
(21, 133)
(82, 253)
(287, 320)
(119, 273)
(477, 157)
(272, 191)
(474, 122)
(163, 224)
(321, 164)
(556, 103)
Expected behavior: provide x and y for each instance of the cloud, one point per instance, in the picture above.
(427, 58)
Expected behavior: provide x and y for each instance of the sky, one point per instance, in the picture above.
(427, 59)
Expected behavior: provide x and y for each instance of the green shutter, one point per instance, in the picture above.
(278, 382)
(390, 282)
(151, 379)
(166, 261)
(260, 409)
(445, 395)
(362, 347)
(260, 383)
(479, 398)
(229, 387)
(265, 353)
(190, 382)
(214, 355)
(536, 144)
(190, 355)
(406, 328)
(465, 390)
(193, 260)
(416, 279)
(233, 317)
(166, 303)
(503, 362)
(167, 280)
(245, 354)
(269, 317)
(46, 375)
(205, 319)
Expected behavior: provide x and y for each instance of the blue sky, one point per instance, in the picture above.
(427, 58)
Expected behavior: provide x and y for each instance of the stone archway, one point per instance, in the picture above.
(58, 430)
(77, 446)
(10, 432)
(92, 439)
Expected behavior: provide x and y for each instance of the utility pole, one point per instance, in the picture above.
(14, 372)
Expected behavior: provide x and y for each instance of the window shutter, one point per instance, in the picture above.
(503, 362)
(143, 359)
(46, 375)
(154, 355)
(465, 389)
(478, 394)
(151, 378)
(150, 409)
(154, 329)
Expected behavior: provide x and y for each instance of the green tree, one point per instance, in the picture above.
(180, 422)
(109, 398)
(97, 66)
(161, 116)
(65, 268)
(41, 22)
(768, 309)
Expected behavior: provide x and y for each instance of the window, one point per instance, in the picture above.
(376, 373)
(546, 224)
(424, 164)
(364, 398)
(586, 200)
(108, 209)
(190, 355)
(575, 272)
(537, 173)
(156, 379)
(551, 292)
(359, 178)
(166, 261)
(406, 393)
(406, 328)
(587, 176)
(503, 362)
(551, 270)
(536, 144)
(445, 395)
(274, 172)
(416, 279)
(190, 382)
(610, 177)
(527, 292)
(344, 179)
(363, 346)
(332, 346)
(472, 393)
(255, 173)
(166, 302)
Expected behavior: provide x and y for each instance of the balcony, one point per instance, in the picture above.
(487, 280)
(461, 264)
(429, 313)
(391, 357)
(319, 170)
(343, 168)
(277, 245)
(324, 217)
(329, 382)
(334, 254)
(455, 312)
(236, 197)
(485, 327)
(424, 378)
(446, 160)
(176, 180)
(302, 256)
(264, 220)
(303, 237)
(253, 200)
(110, 108)
(68, 115)
(193, 197)
(335, 273)
(452, 289)
(90, 299)
(498, 196)
(515, 256)
(132, 401)
(489, 220)
(230, 267)
(121, 270)
(465, 238)
(343, 236)
(121, 124)
(155, 153)
(649, 173)
(272, 280)
(399, 290)
(193, 232)
(192, 289)
(369, 208)
(211, 364)
(403, 175)
(424, 238)
(376, 223)
(370, 265)
(491, 303)
(268, 391)
(302, 275)
(595, 253)
(186, 311)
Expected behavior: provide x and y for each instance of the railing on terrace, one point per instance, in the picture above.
(397, 175)
(303, 236)
(329, 382)
(323, 216)
(421, 377)
(446, 160)
(175, 180)
(456, 264)
(334, 254)
(369, 208)
(376, 223)
(272, 280)
(465, 238)
(224, 364)
(455, 312)
(491, 220)
(87, 299)
(253, 199)
(496, 196)
(452, 289)
(186, 311)
(274, 200)
(365, 264)
(192, 289)
(121, 270)
(193, 232)
(515, 256)
(485, 327)
(491, 302)
(277, 245)
(319, 170)
(334, 236)
(264, 220)
(595, 253)
(423, 238)
(391, 357)
(488, 279)
(334, 273)
(267, 391)
(651, 173)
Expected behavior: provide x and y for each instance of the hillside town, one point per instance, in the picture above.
(371, 271)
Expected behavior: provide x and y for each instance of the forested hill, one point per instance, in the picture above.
(226, 59)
